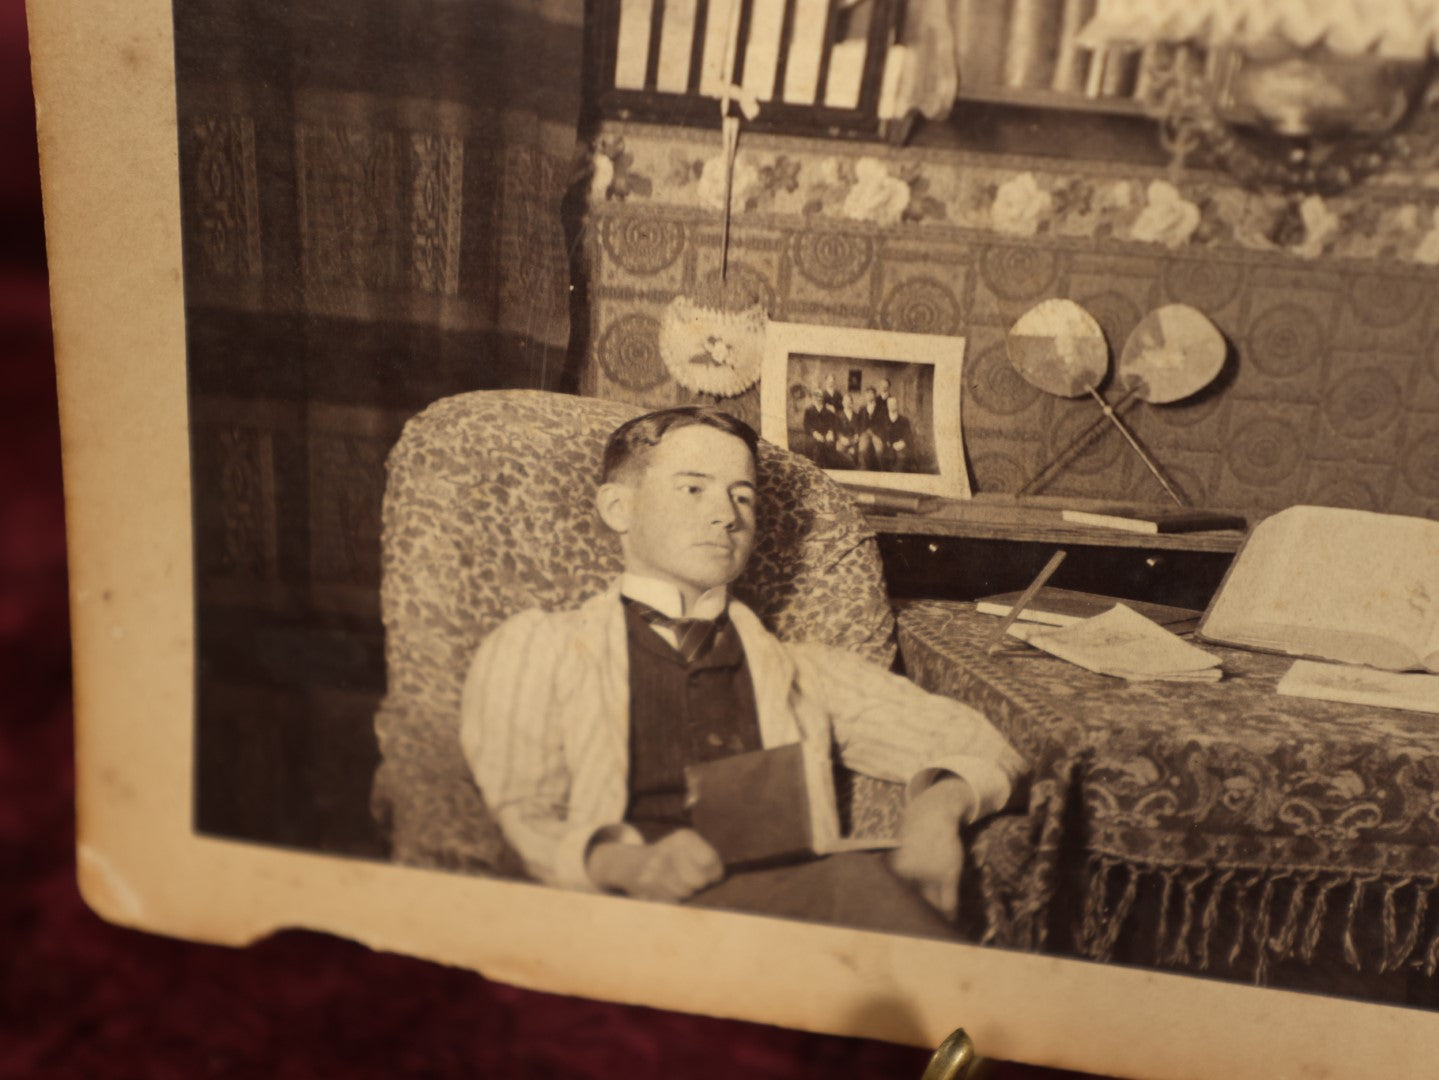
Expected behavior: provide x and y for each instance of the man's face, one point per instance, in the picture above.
(869, 398)
(884, 388)
(893, 409)
(689, 516)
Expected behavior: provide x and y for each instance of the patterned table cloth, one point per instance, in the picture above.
(1217, 828)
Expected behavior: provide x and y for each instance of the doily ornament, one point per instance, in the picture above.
(711, 349)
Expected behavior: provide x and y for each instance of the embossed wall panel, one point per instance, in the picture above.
(1330, 392)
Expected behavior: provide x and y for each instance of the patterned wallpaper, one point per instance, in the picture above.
(1330, 394)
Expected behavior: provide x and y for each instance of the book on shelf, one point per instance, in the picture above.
(1331, 584)
(1120, 71)
(801, 73)
(878, 498)
(768, 807)
(1033, 42)
(1154, 519)
(981, 34)
(1071, 62)
(1361, 686)
(1152, 58)
(1064, 607)
(761, 57)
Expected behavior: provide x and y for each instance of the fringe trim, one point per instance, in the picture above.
(1380, 923)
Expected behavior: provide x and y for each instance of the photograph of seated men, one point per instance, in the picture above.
(578, 725)
(877, 436)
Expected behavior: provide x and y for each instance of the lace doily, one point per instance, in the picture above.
(712, 350)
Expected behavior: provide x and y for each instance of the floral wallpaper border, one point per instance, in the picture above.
(907, 189)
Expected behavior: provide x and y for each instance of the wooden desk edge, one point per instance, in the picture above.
(936, 523)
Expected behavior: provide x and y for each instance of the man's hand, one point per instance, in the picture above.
(930, 855)
(673, 868)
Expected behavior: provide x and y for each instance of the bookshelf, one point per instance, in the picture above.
(821, 66)
(813, 65)
(964, 549)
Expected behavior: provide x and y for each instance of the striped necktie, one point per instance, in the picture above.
(693, 637)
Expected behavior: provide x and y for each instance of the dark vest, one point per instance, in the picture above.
(682, 714)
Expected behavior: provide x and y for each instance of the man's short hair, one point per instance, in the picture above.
(633, 440)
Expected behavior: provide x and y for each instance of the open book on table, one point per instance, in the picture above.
(1332, 584)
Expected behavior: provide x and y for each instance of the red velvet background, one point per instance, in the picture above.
(79, 997)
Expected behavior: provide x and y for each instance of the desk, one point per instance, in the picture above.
(962, 548)
(1218, 828)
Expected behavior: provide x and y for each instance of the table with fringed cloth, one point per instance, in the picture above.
(1215, 828)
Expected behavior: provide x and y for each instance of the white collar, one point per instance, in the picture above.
(665, 597)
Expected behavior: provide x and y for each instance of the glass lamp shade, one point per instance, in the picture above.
(1404, 30)
(1315, 92)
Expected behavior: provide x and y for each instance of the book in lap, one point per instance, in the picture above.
(768, 807)
(1332, 584)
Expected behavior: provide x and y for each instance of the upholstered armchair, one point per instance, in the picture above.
(489, 511)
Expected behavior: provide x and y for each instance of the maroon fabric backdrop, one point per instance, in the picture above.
(81, 998)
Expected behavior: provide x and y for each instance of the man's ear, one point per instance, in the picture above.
(614, 501)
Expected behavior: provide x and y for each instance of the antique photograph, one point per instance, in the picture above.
(867, 426)
(878, 406)
(866, 403)
(533, 362)
(488, 582)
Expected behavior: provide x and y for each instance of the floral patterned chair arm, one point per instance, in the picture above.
(488, 512)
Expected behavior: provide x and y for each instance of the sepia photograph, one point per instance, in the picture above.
(534, 370)
(867, 406)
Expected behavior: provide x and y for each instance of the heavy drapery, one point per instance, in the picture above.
(371, 195)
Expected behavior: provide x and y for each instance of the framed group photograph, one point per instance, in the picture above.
(871, 407)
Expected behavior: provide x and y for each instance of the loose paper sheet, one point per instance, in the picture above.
(1123, 643)
(104, 81)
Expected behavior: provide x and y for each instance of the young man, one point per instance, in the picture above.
(899, 449)
(875, 437)
(848, 427)
(578, 724)
(818, 429)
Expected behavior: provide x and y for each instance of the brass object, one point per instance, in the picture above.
(1294, 120)
(1315, 93)
(956, 1059)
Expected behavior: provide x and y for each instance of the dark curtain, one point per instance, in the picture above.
(371, 195)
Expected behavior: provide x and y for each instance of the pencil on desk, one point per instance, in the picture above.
(1025, 597)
